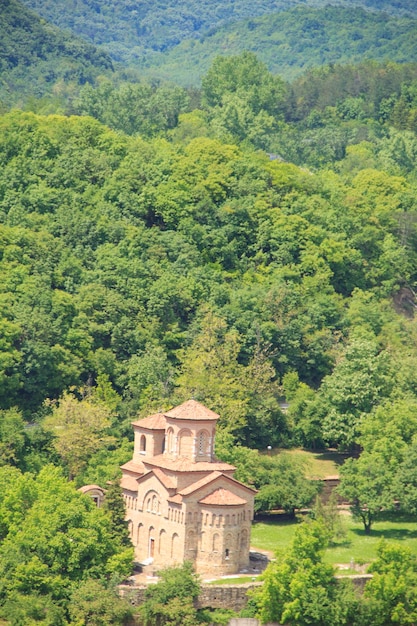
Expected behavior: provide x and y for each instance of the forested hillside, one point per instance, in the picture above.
(36, 56)
(290, 42)
(40, 60)
(248, 241)
(183, 37)
(161, 25)
(186, 264)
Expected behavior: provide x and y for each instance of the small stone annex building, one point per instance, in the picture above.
(181, 502)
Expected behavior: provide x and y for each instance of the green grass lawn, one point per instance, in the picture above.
(273, 535)
(317, 464)
(356, 546)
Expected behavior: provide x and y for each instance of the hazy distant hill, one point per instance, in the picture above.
(133, 27)
(177, 39)
(292, 41)
(34, 55)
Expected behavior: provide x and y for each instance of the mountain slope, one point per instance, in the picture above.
(130, 28)
(292, 41)
(34, 55)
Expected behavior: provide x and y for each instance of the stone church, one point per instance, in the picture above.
(181, 502)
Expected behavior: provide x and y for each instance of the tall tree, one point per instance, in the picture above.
(367, 483)
(390, 598)
(300, 590)
(54, 539)
(114, 504)
(170, 602)
(79, 428)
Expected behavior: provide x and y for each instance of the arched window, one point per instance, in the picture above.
(162, 542)
(244, 539)
(170, 440)
(227, 545)
(215, 542)
(152, 502)
(202, 541)
(142, 444)
(202, 443)
(139, 534)
(192, 540)
(174, 546)
(151, 544)
(185, 443)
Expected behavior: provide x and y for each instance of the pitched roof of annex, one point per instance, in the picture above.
(213, 476)
(192, 410)
(129, 483)
(200, 483)
(165, 480)
(134, 468)
(222, 497)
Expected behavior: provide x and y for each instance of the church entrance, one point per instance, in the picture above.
(151, 547)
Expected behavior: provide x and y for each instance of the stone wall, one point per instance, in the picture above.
(221, 596)
(225, 596)
(218, 597)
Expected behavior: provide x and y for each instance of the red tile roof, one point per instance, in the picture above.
(210, 478)
(152, 422)
(200, 483)
(129, 483)
(177, 499)
(165, 480)
(135, 468)
(186, 465)
(86, 488)
(161, 476)
(222, 497)
(192, 410)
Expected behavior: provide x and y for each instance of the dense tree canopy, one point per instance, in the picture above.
(178, 39)
(251, 243)
(53, 540)
(299, 589)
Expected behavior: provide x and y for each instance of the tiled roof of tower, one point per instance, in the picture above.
(152, 422)
(192, 410)
(222, 497)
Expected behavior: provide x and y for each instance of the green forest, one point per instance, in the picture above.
(237, 234)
